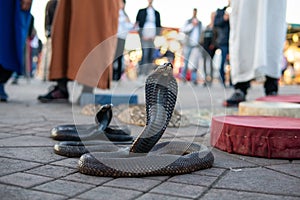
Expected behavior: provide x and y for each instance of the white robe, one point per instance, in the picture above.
(257, 35)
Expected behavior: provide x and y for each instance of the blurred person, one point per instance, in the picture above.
(49, 15)
(44, 63)
(35, 47)
(209, 45)
(192, 28)
(149, 25)
(27, 65)
(123, 28)
(258, 30)
(78, 28)
(221, 23)
(15, 20)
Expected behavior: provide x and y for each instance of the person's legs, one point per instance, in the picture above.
(118, 60)
(146, 64)
(211, 73)
(187, 54)
(194, 76)
(224, 50)
(271, 86)
(117, 68)
(205, 55)
(4, 76)
(239, 94)
(120, 66)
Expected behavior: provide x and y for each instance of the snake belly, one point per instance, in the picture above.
(145, 157)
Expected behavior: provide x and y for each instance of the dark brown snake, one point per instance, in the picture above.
(144, 157)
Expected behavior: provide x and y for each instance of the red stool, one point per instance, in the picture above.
(293, 98)
(261, 136)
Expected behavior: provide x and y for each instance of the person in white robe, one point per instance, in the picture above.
(257, 35)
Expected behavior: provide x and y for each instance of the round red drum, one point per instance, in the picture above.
(293, 98)
(261, 136)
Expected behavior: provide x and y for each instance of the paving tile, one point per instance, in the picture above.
(263, 161)
(67, 188)
(133, 183)
(27, 141)
(9, 166)
(158, 178)
(27, 159)
(24, 180)
(68, 162)
(260, 180)
(37, 154)
(6, 135)
(180, 190)
(94, 180)
(210, 172)
(238, 195)
(193, 179)
(104, 193)
(15, 193)
(52, 171)
(17, 119)
(292, 169)
(226, 160)
(296, 161)
(151, 196)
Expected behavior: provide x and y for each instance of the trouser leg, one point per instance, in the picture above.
(4, 74)
(243, 86)
(271, 86)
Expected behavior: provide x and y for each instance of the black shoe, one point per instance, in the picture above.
(55, 95)
(3, 99)
(14, 82)
(237, 97)
(274, 93)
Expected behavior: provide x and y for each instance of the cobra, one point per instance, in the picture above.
(145, 157)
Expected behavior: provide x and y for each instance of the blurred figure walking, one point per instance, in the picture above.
(257, 35)
(78, 28)
(208, 42)
(149, 25)
(192, 29)
(221, 23)
(15, 19)
(124, 27)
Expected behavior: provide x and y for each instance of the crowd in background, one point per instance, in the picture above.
(105, 19)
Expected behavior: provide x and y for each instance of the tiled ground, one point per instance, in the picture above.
(29, 169)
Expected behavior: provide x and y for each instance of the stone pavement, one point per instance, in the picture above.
(30, 170)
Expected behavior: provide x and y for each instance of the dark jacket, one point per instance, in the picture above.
(141, 19)
(209, 39)
(222, 27)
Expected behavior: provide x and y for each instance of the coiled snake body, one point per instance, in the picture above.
(145, 157)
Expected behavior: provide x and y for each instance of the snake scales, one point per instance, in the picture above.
(144, 157)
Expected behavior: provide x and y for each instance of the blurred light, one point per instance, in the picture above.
(229, 10)
(290, 55)
(295, 37)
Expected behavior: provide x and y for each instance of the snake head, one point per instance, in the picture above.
(167, 66)
(165, 69)
(104, 115)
